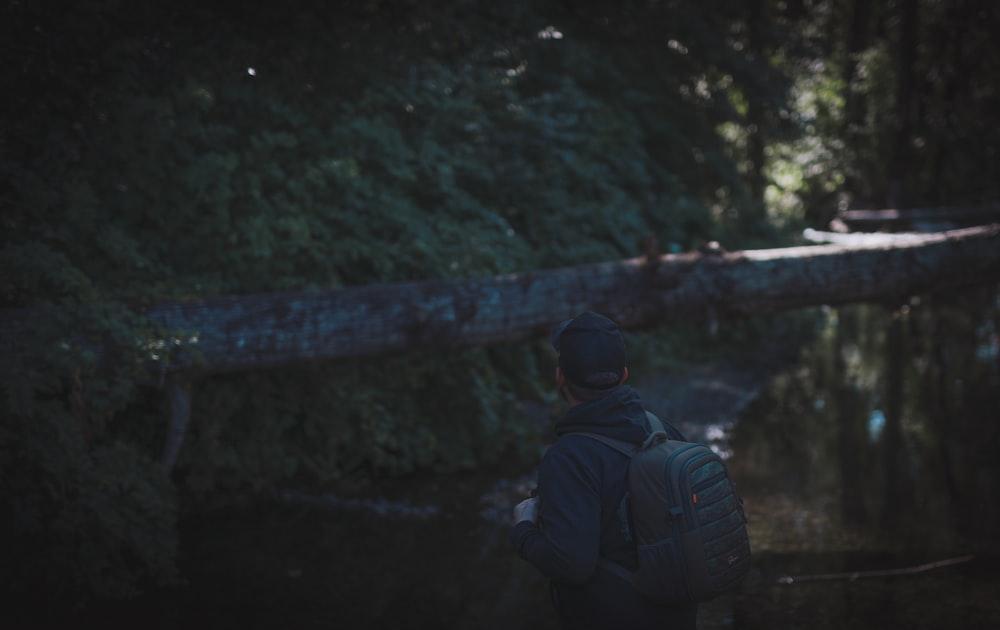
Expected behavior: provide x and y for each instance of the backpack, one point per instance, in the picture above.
(687, 517)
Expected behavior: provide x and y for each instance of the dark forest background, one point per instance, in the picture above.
(164, 151)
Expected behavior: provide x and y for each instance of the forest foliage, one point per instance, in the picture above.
(171, 151)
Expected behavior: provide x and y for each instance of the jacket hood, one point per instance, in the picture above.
(619, 415)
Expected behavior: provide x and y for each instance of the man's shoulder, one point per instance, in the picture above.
(569, 444)
(582, 449)
(574, 447)
(571, 460)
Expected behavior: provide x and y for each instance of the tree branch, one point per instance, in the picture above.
(858, 575)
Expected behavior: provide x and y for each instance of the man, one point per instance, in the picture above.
(580, 513)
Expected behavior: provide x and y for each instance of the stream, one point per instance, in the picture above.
(863, 462)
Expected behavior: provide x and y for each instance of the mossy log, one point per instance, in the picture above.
(255, 331)
(244, 332)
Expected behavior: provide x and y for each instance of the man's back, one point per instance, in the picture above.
(582, 488)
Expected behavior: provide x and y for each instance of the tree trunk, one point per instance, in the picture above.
(756, 124)
(855, 104)
(899, 167)
(246, 332)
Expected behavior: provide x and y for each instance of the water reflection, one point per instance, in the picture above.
(878, 450)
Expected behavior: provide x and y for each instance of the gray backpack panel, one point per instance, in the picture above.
(688, 520)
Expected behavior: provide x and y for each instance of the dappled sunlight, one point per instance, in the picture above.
(549, 32)
(158, 349)
(517, 71)
(677, 47)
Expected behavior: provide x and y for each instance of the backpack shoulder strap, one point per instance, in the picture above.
(657, 432)
(626, 448)
(655, 424)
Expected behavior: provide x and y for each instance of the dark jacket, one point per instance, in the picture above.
(581, 487)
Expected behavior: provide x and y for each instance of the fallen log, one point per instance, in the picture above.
(916, 219)
(242, 332)
(230, 333)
